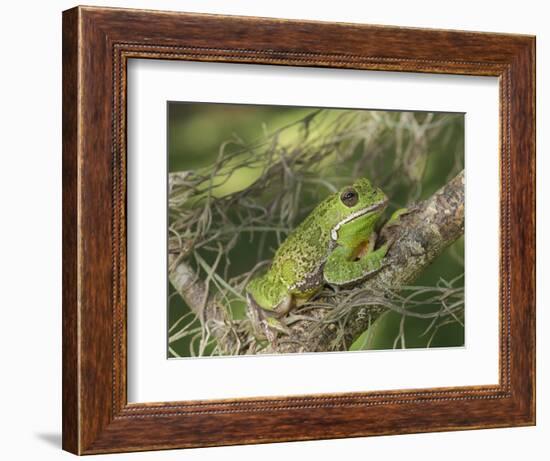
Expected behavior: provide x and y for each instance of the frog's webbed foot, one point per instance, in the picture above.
(395, 218)
(389, 231)
(397, 215)
(272, 328)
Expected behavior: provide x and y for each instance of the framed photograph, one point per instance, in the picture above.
(281, 230)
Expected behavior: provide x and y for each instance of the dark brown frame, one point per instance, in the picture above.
(97, 43)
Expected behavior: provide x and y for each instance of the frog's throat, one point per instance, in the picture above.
(377, 206)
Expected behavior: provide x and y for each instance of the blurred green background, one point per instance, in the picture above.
(196, 132)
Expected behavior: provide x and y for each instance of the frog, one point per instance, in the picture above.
(334, 245)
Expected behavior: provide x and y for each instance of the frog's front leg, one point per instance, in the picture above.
(341, 268)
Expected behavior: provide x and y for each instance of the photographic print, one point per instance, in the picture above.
(303, 229)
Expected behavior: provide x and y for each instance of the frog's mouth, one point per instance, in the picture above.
(377, 206)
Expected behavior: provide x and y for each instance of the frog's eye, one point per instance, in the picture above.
(349, 197)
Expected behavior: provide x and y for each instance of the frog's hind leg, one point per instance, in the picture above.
(269, 319)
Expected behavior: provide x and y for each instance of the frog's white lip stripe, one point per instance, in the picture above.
(351, 217)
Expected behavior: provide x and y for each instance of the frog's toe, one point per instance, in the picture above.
(277, 325)
(396, 216)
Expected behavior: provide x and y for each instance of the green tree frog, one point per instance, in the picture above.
(334, 245)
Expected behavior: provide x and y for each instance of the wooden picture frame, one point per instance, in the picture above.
(97, 43)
